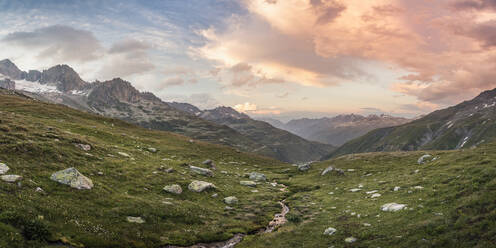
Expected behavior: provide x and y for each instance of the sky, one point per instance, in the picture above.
(268, 58)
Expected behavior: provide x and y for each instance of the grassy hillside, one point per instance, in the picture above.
(455, 206)
(38, 139)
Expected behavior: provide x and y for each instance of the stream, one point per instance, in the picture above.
(279, 220)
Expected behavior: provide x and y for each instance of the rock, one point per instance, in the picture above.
(330, 231)
(124, 154)
(304, 167)
(210, 164)
(83, 147)
(340, 172)
(397, 188)
(39, 190)
(230, 200)
(11, 178)
(418, 187)
(215, 195)
(201, 171)
(151, 149)
(350, 240)
(375, 195)
(200, 186)
(258, 177)
(3, 168)
(73, 178)
(355, 190)
(371, 192)
(392, 207)
(423, 159)
(366, 224)
(248, 183)
(138, 220)
(327, 170)
(174, 189)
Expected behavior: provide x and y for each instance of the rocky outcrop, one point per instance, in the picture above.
(7, 84)
(200, 186)
(63, 76)
(10, 70)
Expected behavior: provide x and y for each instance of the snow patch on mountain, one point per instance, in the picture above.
(35, 87)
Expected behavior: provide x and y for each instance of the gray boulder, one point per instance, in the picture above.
(259, 177)
(72, 177)
(11, 178)
(248, 183)
(137, 220)
(330, 231)
(174, 189)
(424, 159)
(210, 164)
(304, 167)
(152, 150)
(83, 147)
(392, 207)
(201, 171)
(3, 168)
(200, 186)
(327, 170)
(230, 200)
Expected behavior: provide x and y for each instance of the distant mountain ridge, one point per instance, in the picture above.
(339, 129)
(467, 124)
(117, 98)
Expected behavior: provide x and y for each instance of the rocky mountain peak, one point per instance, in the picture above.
(186, 107)
(115, 90)
(64, 76)
(9, 69)
(223, 113)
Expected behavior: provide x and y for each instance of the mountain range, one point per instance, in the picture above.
(339, 129)
(465, 125)
(117, 98)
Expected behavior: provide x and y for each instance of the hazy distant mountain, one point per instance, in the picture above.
(337, 130)
(287, 145)
(465, 125)
(117, 98)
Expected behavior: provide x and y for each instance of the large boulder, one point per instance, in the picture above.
(259, 177)
(72, 177)
(3, 168)
(201, 171)
(11, 178)
(327, 170)
(248, 183)
(425, 158)
(230, 200)
(200, 186)
(304, 167)
(392, 207)
(174, 189)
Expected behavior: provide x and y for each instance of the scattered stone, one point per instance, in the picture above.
(223, 172)
(11, 178)
(330, 231)
(201, 171)
(215, 195)
(350, 240)
(248, 183)
(258, 177)
(137, 220)
(210, 164)
(39, 190)
(371, 192)
(124, 154)
(418, 187)
(83, 147)
(228, 208)
(355, 190)
(304, 167)
(327, 170)
(3, 168)
(397, 188)
(72, 177)
(200, 186)
(254, 191)
(152, 150)
(375, 195)
(100, 173)
(360, 185)
(340, 172)
(392, 207)
(351, 170)
(423, 159)
(367, 224)
(417, 171)
(230, 200)
(174, 189)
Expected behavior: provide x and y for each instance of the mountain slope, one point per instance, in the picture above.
(450, 201)
(287, 145)
(117, 98)
(340, 129)
(465, 125)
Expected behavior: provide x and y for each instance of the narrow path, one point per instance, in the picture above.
(279, 220)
